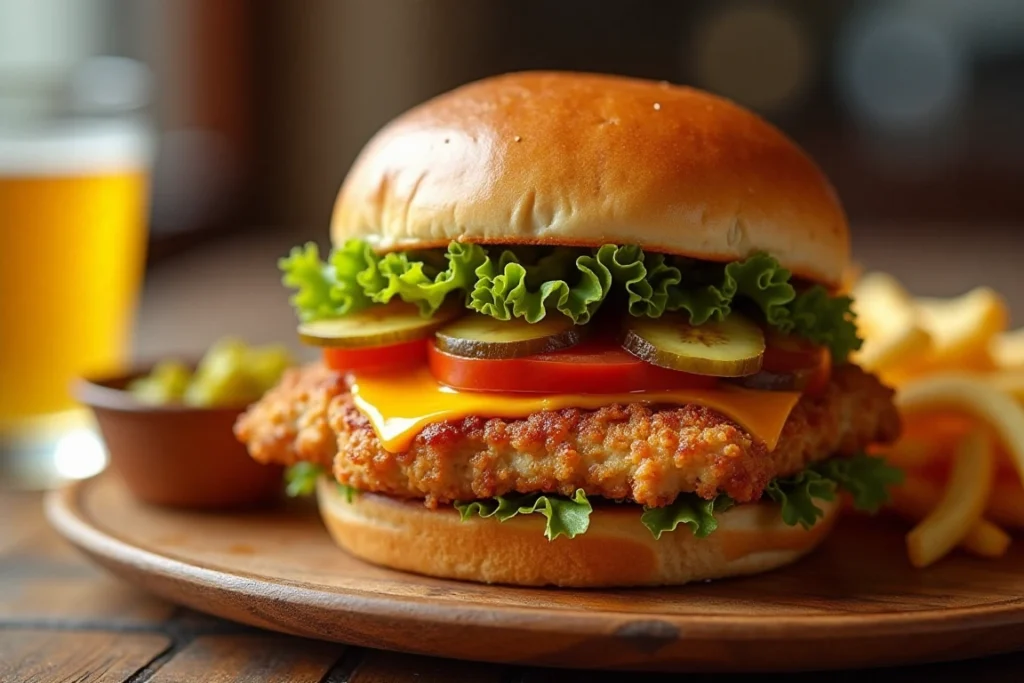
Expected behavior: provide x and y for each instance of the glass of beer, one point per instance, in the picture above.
(73, 206)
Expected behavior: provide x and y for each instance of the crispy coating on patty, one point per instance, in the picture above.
(644, 453)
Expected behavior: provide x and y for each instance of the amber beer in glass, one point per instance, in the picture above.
(73, 203)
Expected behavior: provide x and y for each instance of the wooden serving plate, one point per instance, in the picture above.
(853, 603)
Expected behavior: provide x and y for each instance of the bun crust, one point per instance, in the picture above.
(582, 160)
(616, 551)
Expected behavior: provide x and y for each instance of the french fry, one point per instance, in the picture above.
(961, 327)
(958, 370)
(975, 396)
(985, 539)
(962, 503)
(889, 322)
(916, 498)
(1010, 381)
(1007, 350)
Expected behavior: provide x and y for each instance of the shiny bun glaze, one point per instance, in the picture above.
(582, 160)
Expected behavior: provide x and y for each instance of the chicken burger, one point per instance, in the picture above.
(579, 330)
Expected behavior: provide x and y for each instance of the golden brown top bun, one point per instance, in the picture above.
(617, 550)
(583, 160)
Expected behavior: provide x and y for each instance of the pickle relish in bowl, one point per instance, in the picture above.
(168, 427)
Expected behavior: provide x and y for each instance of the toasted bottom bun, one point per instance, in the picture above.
(617, 549)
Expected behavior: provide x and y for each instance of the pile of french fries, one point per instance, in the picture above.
(959, 376)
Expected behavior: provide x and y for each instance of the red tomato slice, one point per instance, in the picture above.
(810, 363)
(377, 358)
(784, 353)
(820, 376)
(590, 368)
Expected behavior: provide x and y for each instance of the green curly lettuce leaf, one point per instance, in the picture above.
(531, 282)
(702, 303)
(568, 517)
(826, 320)
(317, 292)
(417, 278)
(510, 287)
(300, 479)
(348, 262)
(689, 509)
(507, 288)
(796, 496)
(760, 281)
(866, 478)
(626, 267)
(653, 295)
(346, 491)
(764, 282)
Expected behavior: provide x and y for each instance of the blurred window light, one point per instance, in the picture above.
(79, 454)
(757, 54)
(193, 175)
(110, 85)
(40, 39)
(901, 73)
(987, 28)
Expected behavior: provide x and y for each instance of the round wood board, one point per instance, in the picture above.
(853, 603)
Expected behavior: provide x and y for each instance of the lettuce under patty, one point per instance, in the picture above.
(695, 512)
(866, 478)
(532, 282)
(300, 481)
(563, 516)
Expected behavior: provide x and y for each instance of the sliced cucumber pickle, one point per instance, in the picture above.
(392, 323)
(772, 381)
(480, 336)
(731, 348)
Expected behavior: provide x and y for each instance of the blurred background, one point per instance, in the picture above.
(241, 119)
(913, 107)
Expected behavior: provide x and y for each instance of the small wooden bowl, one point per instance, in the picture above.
(177, 455)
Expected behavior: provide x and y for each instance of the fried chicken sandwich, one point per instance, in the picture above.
(579, 330)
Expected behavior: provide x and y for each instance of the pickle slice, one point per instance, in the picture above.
(480, 336)
(731, 348)
(376, 326)
(766, 380)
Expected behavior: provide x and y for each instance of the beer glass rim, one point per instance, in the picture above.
(74, 147)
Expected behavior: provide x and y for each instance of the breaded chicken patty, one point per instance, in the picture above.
(644, 453)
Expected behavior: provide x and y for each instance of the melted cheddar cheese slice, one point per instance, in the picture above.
(400, 406)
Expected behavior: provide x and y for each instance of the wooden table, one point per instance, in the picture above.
(61, 619)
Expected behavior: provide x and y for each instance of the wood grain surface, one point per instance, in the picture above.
(856, 602)
(83, 657)
(240, 658)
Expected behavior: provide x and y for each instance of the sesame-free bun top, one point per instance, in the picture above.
(583, 160)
